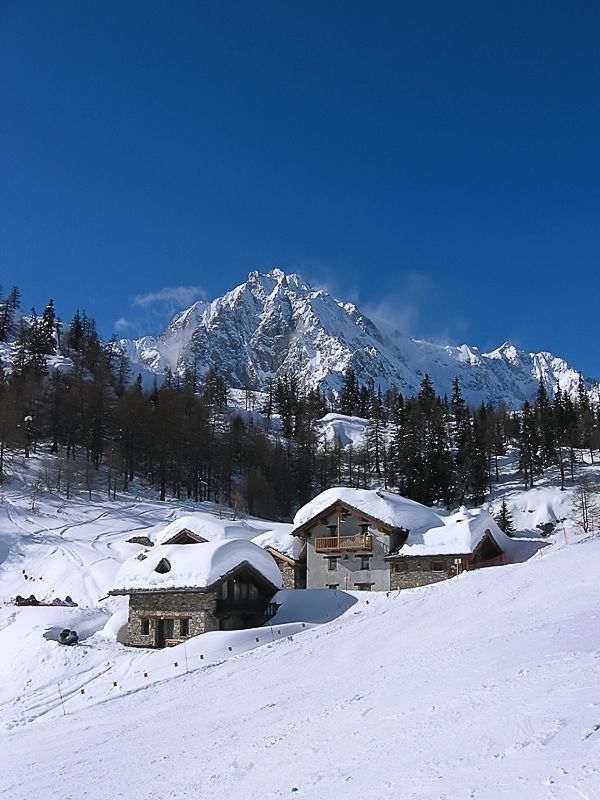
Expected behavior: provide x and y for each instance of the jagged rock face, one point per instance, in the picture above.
(275, 324)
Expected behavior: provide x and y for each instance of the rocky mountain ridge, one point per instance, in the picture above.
(276, 324)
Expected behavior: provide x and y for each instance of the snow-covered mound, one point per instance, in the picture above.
(343, 429)
(200, 565)
(278, 325)
(390, 508)
(538, 506)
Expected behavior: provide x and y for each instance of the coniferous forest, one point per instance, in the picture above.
(105, 429)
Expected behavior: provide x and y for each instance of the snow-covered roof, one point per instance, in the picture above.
(208, 527)
(196, 566)
(461, 533)
(281, 539)
(389, 508)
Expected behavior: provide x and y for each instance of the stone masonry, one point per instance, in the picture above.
(196, 607)
(408, 573)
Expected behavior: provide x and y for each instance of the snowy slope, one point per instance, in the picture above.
(485, 686)
(276, 324)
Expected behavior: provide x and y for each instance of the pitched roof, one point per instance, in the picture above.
(380, 505)
(207, 527)
(460, 535)
(199, 566)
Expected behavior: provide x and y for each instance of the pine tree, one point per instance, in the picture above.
(74, 338)
(546, 426)
(37, 346)
(583, 400)
(530, 463)
(350, 395)
(47, 329)
(8, 314)
(504, 520)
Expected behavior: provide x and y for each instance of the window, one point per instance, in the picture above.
(168, 628)
(364, 527)
(438, 566)
(332, 564)
(364, 562)
(145, 627)
(184, 627)
(363, 587)
(332, 530)
(332, 585)
(399, 566)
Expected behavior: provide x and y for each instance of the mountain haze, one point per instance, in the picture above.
(275, 324)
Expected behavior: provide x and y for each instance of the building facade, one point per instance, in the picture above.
(346, 548)
(178, 592)
(374, 540)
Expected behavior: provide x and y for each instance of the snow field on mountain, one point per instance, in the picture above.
(485, 686)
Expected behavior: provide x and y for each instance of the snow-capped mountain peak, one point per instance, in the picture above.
(276, 324)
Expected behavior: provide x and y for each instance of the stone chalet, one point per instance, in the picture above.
(177, 592)
(367, 540)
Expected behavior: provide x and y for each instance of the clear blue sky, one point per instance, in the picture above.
(436, 162)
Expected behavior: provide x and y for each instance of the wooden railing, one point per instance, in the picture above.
(329, 544)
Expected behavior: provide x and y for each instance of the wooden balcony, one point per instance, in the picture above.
(332, 544)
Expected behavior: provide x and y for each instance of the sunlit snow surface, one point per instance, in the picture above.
(484, 686)
(198, 565)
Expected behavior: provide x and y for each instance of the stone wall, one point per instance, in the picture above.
(196, 607)
(288, 576)
(408, 573)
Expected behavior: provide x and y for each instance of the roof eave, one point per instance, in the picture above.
(331, 508)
